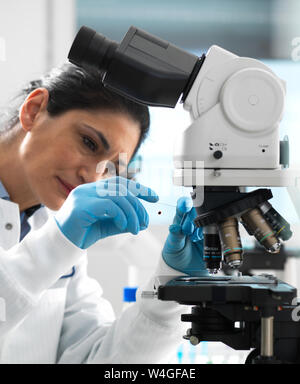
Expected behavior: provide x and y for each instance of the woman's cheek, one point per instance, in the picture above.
(66, 158)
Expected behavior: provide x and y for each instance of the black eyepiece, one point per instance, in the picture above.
(142, 67)
(92, 50)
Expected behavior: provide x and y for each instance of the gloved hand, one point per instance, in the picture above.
(105, 208)
(183, 249)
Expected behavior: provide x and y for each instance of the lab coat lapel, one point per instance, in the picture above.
(38, 219)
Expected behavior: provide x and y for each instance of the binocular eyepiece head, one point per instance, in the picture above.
(142, 67)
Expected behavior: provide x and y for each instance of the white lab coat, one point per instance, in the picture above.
(65, 320)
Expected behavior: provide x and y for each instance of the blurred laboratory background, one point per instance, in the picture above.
(36, 35)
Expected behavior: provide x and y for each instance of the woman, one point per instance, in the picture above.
(51, 146)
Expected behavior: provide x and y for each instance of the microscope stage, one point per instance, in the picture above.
(246, 290)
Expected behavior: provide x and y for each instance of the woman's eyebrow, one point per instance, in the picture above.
(100, 135)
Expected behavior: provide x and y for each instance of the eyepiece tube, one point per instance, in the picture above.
(91, 50)
(142, 67)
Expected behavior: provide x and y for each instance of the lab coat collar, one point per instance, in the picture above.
(3, 192)
(29, 211)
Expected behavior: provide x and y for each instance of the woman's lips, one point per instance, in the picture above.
(67, 187)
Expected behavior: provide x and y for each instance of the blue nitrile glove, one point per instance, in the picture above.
(105, 208)
(183, 248)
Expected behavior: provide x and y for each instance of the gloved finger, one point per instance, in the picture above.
(142, 192)
(175, 229)
(176, 239)
(197, 235)
(118, 186)
(104, 188)
(133, 224)
(109, 188)
(188, 227)
(120, 189)
(200, 247)
(134, 187)
(107, 209)
(200, 233)
(140, 210)
(187, 222)
(123, 192)
(184, 205)
(121, 201)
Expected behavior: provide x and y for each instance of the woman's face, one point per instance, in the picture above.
(60, 153)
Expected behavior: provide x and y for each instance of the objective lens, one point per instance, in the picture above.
(212, 248)
(231, 242)
(280, 226)
(261, 230)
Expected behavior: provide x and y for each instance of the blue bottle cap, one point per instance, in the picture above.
(129, 294)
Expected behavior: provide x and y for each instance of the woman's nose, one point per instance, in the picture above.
(94, 172)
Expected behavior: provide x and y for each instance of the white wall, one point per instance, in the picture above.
(37, 36)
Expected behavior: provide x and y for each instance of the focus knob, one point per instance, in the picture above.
(253, 100)
(218, 154)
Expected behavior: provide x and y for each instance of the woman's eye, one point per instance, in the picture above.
(89, 143)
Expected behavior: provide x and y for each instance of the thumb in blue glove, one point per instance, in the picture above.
(183, 249)
(105, 208)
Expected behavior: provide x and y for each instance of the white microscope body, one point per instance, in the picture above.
(236, 105)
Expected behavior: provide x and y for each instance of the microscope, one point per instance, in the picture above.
(236, 105)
